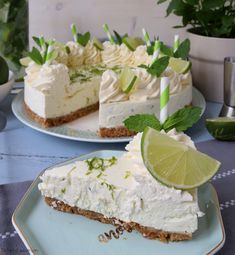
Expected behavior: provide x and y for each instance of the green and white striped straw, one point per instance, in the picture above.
(176, 43)
(156, 51)
(106, 30)
(74, 32)
(50, 50)
(42, 43)
(146, 37)
(164, 98)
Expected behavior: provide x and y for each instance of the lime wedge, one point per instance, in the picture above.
(98, 44)
(132, 42)
(174, 163)
(127, 80)
(179, 65)
(25, 61)
(222, 128)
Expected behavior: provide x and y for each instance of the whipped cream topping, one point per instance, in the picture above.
(47, 78)
(146, 87)
(140, 56)
(109, 88)
(76, 55)
(91, 54)
(62, 56)
(126, 55)
(111, 55)
(136, 197)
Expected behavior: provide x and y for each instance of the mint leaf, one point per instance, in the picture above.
(83, 39)
(35, 55)
(182, 119)
(150, 50)
(139, 122)
(159, 66)
(166, 50)
(119, 37)
(183, 50)
(37, 41)
(143, 66)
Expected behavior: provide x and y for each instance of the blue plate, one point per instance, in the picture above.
(50, 232)
(82, 129)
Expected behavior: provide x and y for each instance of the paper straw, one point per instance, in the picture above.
(156, 52)
(106, 30)
(42, 43)
(74, 32)
(146, 37)
(176, 43)
(164, 98)
(49, 50)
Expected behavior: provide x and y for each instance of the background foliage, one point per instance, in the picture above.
(13, 31)
(207, 17)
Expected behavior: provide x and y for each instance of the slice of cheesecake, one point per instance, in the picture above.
(144, 98)
(122, 191)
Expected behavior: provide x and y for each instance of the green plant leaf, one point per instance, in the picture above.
(119, 37)
(183, 50)
(37, 41)
(166, 50)
(83, 39)
(150, 50)
(139, 122)
(211, 4)
(35, 55)
(182, 119)
(174, 5)
(159, 66)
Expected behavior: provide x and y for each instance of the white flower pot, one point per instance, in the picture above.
(207, 56)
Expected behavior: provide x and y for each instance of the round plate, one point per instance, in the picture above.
(85, 128)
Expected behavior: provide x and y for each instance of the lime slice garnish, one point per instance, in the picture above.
(98, 44)
(127, 79)
(132, 42)
(173, 163)
(25, 61)
(222, 128)
(179, 65)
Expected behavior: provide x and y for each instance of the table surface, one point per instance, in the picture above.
(25, 152)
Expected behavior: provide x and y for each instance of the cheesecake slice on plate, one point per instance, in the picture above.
(121, 191)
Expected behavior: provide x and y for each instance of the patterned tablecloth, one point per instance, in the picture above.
(224, 182)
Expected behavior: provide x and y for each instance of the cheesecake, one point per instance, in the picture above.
(121, 191)
(84, 79)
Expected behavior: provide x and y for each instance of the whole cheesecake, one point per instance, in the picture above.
(82, 80)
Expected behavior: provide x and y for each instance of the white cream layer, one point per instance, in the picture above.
(49, 93)
(138, 197)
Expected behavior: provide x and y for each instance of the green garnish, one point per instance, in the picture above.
(110, 187)
(127, 174)
(119, 38)
(180, 120)
(83, 39)
(158, 66)
(99, 164)
(63, 190)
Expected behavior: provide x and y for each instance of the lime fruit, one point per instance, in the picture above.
(127, 80)
(4, 73)
(132, 42)
(25, 61)
(174, 163)
(179, 65)
(222, 128)
(98, 44)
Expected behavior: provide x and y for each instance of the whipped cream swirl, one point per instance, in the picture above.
(91, 54)
(146, 87)
(62, 56)
(140, 56)
(111, 55)
(126, 55)
(109, 88)
(76, 55)
(47, 78)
